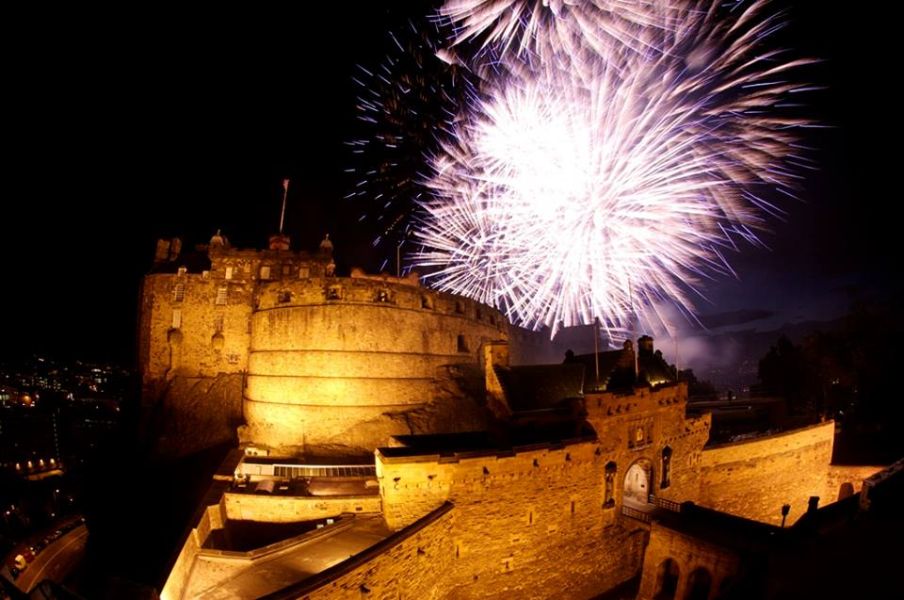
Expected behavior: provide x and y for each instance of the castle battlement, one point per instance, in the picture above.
(322, 363)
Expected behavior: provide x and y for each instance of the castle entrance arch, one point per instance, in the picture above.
(638, 481)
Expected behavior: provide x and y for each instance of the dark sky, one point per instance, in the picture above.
(129, 124)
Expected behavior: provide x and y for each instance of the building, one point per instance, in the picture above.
(392, 443)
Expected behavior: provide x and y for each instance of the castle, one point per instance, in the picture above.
(401, 446)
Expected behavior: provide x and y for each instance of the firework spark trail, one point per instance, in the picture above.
(406, 103)
(591, 186)
(569, 27)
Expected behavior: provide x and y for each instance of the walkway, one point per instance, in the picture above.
(253, 579)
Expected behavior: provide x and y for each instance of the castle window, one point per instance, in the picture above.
(284, 297)
(286, 270)
(609, 500)
(382, 295)
(334, 292)
(459, 308)
(177, 318)
(462, 344)
(426, 302)
(222, 295)
(265, 272)
(218, 324)
(229, 271)
(304, 272)
(179, 292)
(666, 468)
(182, 271)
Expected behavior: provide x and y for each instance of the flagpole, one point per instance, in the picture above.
(596, 350)
(282, 215)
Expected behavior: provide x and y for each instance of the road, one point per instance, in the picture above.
(55, 561)
(269, 574)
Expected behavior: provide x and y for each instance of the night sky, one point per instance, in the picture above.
(125, 126)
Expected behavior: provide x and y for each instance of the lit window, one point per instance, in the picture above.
(304, 272)
(221, 296)
(265, 272)
(229, 272)
(179, 292)
(177, 318)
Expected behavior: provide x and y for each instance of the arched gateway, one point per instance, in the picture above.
(638, 482)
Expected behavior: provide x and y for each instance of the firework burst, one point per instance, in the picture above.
(406, 105)
(569, 27)
(600, 186)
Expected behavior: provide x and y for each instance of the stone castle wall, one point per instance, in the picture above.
(179, 331)
(343, 364)
(414, 563)
(689, 554)
(754, 478)
(512, 513)
(658, 417)
(290, 509)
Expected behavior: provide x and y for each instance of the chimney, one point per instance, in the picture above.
(812, 505)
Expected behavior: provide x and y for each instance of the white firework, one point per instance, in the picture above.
(595, 187)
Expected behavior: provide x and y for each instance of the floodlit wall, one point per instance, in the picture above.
(289, 509)
(754, 478)
(515, 511)
(343, 364)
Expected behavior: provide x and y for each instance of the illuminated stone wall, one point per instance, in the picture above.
(754, 478)
(181, 574)
(339, 365)
(336, 365)
(192, 374)
(513, 514)
(839, 475)
(689, 554)
(289, 509)
(411, 564)
(640, 426)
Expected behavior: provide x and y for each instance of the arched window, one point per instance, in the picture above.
(666, 580)
(462, 344)
(611, 469)
(698, 585)
(666, 468)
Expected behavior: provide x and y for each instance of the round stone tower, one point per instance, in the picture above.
(339, 365)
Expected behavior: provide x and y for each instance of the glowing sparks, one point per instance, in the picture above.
(599, 184)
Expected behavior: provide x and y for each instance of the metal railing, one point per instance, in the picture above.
(666, 504)
(633, 513)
